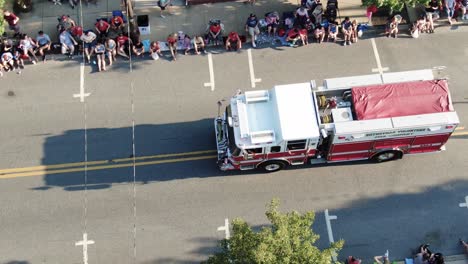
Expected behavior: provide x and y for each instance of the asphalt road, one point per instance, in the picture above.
(171, 212)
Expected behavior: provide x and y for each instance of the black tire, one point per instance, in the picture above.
(272, 165)
(388, 155)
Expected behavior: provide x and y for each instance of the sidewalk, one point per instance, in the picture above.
(189, 19)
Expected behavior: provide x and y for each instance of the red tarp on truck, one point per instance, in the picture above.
(401, 99)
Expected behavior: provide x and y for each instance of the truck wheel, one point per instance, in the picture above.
(387, 156)
(272, 165)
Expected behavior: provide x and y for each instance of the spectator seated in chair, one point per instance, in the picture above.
(117, 23)
(102, 28)
(199, 44)
(68, 43)
(233, 41)
(44, 44)
(28, 45)
(111, 50)
(272, 20)
(319, 33)
(89, 42)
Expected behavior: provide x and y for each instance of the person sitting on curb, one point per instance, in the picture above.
(28, 45)
(392, 27)
(111, 50)
(44, 43)
(172, 44)
(102, 28)
(332, 31)
(187, 43)
(89, 42)
(347, 29)
(464, 245)
(319, 33)
(251, 26)
(138, 48)
(382, 259)
(214, 33)
(353, 260)
(68, 43)
(295, 35)
(155, 50)
(199, 45)
(233, 41)
(123, 45)
(7, 61)
(100, 51)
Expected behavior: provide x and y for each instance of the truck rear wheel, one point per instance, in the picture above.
(387, 156)
(272, 165)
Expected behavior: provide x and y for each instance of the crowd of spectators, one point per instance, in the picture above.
(110, 39)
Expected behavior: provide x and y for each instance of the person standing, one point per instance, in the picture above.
(12, 21)
(43, 41)
(251, 26)
(163, 4)
(450, 9)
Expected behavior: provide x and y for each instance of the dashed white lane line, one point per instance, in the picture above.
(465, 204)
(84, 243)
(328, 219)
(379, 68)
(210, 67)
(225, 228)
(253, 81)
(82, 94)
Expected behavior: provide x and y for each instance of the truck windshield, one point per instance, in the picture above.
(235, 151)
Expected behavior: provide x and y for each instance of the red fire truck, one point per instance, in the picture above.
(381, 117)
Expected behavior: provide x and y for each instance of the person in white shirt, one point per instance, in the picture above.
(89, 42)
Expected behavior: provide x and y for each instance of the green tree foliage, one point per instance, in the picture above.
(2, 25)
(393, 5)
(289, 240)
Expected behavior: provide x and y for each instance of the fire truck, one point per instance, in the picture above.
(380, 117)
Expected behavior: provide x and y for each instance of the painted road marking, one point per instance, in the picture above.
(210, 67)
(253, 81)
(109, 164)
(85, 242)
(465, 204)
(100, 162)
(225, 228)
(379, 69)
(82, 94)
(103, 167)
(328, 219)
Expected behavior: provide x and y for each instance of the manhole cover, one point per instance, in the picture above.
(11, 93)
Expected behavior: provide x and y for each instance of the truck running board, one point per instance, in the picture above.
(318, 161)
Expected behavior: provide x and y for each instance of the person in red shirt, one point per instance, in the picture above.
(233, 41)
(123, 45)
(155, 50)
(12, 21)
(117, 23)
(102, 28)
(214, 33)
(172, 44)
